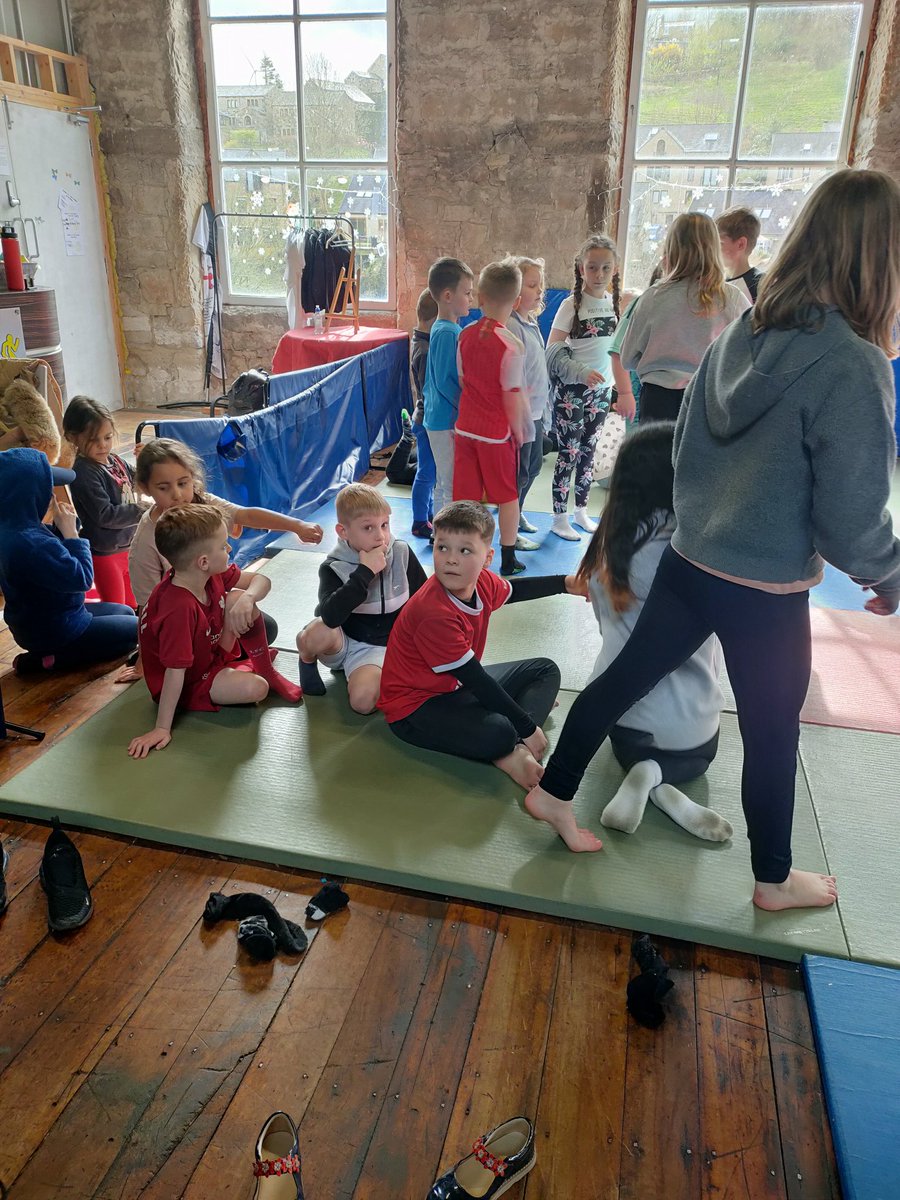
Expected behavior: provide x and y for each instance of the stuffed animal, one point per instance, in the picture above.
(23, 409)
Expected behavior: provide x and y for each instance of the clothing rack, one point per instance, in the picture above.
(346, 294)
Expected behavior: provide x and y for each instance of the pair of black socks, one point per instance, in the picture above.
(263, 930)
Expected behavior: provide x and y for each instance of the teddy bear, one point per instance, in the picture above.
(26, 419)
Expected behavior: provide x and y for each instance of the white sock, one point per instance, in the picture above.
(563, 529)
(583, 521)
(701, 822)
(626, 808)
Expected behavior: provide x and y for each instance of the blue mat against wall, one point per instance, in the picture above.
(855, 1009)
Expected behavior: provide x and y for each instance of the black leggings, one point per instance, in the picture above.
(458, 724)
(659, 403)
(632, 746)
(766, 641)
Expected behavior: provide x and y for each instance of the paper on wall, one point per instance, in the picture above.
(70, 212)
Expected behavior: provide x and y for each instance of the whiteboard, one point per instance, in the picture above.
(47, 157)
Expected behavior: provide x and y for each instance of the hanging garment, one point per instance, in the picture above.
(294, 262)
(204, 240)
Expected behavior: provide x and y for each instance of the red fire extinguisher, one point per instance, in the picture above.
(12, 259)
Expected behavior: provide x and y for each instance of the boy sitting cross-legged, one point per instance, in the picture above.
(363, 585)
(434, 691)
(198, 621)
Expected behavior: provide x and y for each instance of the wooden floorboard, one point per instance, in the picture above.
(140, 1055)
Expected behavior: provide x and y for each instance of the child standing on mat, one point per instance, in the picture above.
(527, 309)
(423, 484)
(45, 571)
(671, 326)
(198, 622)
(494, 418)
(450, 283)
(672, 734)
(363, 585)
(767, 480)
(738, 234)
(434, 691)
(103, 495)
(578, 360)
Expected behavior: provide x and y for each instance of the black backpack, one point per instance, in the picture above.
(248, 393)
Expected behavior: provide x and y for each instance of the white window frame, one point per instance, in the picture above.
(301, 164)
(732, 162)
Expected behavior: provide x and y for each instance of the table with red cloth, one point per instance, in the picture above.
(300, 348)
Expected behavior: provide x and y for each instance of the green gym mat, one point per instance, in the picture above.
(321, 788)
(854, 779)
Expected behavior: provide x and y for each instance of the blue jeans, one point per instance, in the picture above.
(112, 633)
(423, 484)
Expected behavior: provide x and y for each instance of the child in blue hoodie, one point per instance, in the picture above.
(45, 571)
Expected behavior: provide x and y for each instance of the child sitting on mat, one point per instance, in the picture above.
(672, 734)
(363, 584)
(434, 691)
(45, 571)
(197, 622)
(103, 495)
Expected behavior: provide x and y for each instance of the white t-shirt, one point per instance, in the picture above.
(146, 566)
(599, 322)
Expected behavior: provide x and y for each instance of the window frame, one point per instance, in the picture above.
(733, 162)
(302, 164)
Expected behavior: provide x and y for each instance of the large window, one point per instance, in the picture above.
(300, 101)
(735, 103)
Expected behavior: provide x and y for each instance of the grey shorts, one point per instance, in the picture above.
(352, 655)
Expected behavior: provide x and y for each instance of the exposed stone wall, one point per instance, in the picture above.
(877, 142)
(509, 130)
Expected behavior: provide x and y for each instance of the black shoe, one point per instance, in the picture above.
(507, 1152)
(69, 904)
(277, 1160)
(4, 863)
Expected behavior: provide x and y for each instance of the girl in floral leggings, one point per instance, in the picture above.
(579, 366)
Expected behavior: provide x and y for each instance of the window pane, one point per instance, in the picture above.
(255, 247)
(690, 187)
(800, 65)
(776, 195)
(327, 7)
(345, 89)
(251, 8)
(689, 82)
(362, 197)
(256, 94)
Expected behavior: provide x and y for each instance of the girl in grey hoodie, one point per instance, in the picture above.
(768, 482)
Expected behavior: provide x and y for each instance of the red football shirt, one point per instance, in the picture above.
(178, 631)
(491, 361)
(434, 634)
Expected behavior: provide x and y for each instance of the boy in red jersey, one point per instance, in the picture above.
(197, 622)
(494, 416)
(434, 691)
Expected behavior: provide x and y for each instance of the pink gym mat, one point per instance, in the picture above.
(855, 671)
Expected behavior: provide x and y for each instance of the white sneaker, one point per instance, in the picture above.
(563, 529)
(583, 521)
(525, 526)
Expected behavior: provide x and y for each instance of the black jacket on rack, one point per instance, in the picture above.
(325, 252)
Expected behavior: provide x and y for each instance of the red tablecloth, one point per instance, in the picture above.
(301, 348)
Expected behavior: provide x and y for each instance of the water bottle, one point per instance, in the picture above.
(318, 319)
(12, 259)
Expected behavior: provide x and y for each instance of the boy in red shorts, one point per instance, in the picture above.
(197, 622)
(493, 408)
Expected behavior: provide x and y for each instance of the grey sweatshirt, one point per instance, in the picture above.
(682, 711)
(667, 337)
(784, 452)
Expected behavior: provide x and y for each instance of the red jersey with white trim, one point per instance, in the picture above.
(491, 361)
(178, 631)
(434, 634)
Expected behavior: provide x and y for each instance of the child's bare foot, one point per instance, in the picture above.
(561, 815)
(801, 889)
(521, 766)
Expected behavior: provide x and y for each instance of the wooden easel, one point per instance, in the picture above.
(348, 282)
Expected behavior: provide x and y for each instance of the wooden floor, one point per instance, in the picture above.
(140, 1055)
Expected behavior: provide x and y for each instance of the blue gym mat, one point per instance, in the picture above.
(555, 557)
(854, 1009)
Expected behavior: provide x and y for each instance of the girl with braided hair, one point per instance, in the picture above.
(579, 366)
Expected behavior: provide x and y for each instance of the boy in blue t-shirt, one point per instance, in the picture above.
(450, 282)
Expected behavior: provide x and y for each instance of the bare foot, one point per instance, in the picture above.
(801, 889)
(561, 815)
(521, 766)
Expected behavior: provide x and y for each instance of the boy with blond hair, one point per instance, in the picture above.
(363, 584)
(494, 416)
(198, 621)
(738, 234)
